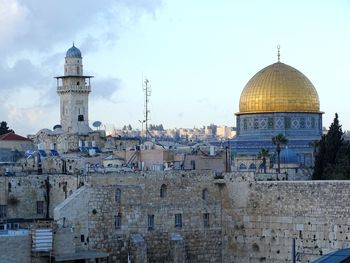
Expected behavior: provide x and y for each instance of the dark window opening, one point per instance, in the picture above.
(82, 238)
(163, 191)
(40, 207)
(3, 211)
(206, 219)
(80, 117)
(205, 194)
(118, 221)
(150, 222)
(178, 220)
(118, 195)
(193, 164)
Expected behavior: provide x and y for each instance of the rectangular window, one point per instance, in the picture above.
(117, 196)
(3, 211)
(118, 221)
(206, 219)
(193, 164)
(178, 220)
(150, 222)
(39, 207)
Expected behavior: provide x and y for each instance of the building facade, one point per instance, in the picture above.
(278, 99)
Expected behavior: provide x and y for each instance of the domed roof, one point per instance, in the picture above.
(288, 156)
(279, 88)
(73, 52)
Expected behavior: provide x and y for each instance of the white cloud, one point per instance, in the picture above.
(13, 17)
(32, 34)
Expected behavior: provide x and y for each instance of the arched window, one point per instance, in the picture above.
(163, 190)
(261, 167)
(118, 195)
(242, 166)
(205, 194)
(252, 167)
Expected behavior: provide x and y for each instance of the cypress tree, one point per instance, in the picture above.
(327, 165)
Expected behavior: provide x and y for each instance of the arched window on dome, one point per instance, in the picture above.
(252, 167)
(242, 166)
(163, 191)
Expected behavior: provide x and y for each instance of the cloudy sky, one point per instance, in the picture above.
(197, 54)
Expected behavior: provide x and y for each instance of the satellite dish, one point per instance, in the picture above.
(97, 124)
(57, 126)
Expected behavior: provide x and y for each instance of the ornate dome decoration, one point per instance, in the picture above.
(279, 88)
(73, 52)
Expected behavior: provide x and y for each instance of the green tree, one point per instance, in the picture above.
(264, 154)
(4, 128)
(332, 158)
(278, 141)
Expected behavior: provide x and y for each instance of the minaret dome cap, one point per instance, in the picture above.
(73, 52)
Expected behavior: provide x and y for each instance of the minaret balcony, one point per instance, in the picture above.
(73, 88)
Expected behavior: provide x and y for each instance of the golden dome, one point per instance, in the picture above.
(279, 88)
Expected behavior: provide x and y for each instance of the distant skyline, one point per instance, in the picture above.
(198, 56)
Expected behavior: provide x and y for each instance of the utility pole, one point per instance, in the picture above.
(147, 91)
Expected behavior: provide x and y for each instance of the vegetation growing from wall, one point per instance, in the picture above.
(332, 160)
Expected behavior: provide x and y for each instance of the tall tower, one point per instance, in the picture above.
(74, 88)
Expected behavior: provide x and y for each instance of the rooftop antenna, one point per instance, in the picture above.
(97, 124)
(278, 53)
(147, 91)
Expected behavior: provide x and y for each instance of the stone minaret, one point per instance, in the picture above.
(74, 88)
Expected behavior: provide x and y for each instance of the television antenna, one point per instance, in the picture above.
(147, 90)
(97, 124)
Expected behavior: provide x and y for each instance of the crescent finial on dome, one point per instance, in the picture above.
(278, 53)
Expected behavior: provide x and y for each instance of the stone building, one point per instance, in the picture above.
(73, 133)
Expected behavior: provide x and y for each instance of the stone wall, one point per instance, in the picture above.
(249, 221)
(15, 249)
(21, 193)
(140, 197)
(264, 218)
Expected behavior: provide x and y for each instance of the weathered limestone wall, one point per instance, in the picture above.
(27, 190)
(249, 221)
(72, 224)
(264, 217)
(15, 249)
(140, 197)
